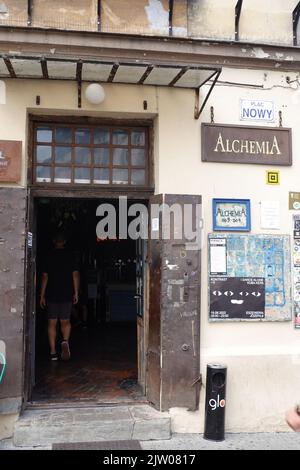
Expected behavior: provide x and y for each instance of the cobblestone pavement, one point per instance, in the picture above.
(240, 441)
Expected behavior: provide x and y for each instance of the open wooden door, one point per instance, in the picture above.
(140, 302)
(173, 355)
(29, 377)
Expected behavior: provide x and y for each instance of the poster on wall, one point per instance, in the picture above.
(237, 297)
(218, 258)
(296, 271)
(257, 283)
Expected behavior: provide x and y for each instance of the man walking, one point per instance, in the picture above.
(59, 289)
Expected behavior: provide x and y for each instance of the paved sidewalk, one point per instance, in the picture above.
(240, 441)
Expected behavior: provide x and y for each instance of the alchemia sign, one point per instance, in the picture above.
(246, 144)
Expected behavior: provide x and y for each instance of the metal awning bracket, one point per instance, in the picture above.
(296, 15)
(238, 9)
(199, 110)
(79, 81)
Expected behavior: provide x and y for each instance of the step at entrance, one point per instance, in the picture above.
(111, 423)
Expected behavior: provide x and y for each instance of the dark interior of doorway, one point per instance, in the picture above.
(103, 343)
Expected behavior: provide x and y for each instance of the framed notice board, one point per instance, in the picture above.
(249, 277)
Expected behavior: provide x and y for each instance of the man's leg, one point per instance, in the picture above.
(52, 334)
(65, 329)
(65, 326)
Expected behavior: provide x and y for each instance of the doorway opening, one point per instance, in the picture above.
(107, 336)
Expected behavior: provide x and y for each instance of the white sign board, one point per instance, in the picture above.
(256, 110)
(218, 256)
(270, 215)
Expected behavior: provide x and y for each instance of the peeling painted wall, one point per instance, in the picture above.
(211, 19)
(119, 16)
(13, 12)
(67, 14)
(268, 21)
(144, 17)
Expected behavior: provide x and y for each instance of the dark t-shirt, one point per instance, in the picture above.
(60, 265)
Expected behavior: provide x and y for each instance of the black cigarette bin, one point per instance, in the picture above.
(214, 427)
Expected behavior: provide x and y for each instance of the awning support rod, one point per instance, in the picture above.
(29, 12)
(198, 111)
(99, 15)
(79, 81)
(9, 67)
(44, 69)
(296, 15)
(171, 9)
(178, 76)
(113, 73)
(238, 9)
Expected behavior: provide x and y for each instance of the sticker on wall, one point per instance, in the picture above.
(294, 201)
(2, 359)
(296, 270)
(29, 239)
(272, 177)
(155, 224)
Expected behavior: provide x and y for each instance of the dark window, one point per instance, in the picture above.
(93, 155)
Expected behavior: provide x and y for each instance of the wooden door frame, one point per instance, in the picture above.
(33, 195)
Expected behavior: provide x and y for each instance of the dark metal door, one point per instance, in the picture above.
(174, 323)
(12, 234)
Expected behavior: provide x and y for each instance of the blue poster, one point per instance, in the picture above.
(260, 256)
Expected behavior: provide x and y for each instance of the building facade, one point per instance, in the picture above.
(167, 68)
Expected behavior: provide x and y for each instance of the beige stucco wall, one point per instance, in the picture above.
(263, 359)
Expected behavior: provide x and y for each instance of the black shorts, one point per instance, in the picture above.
(59, 310)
